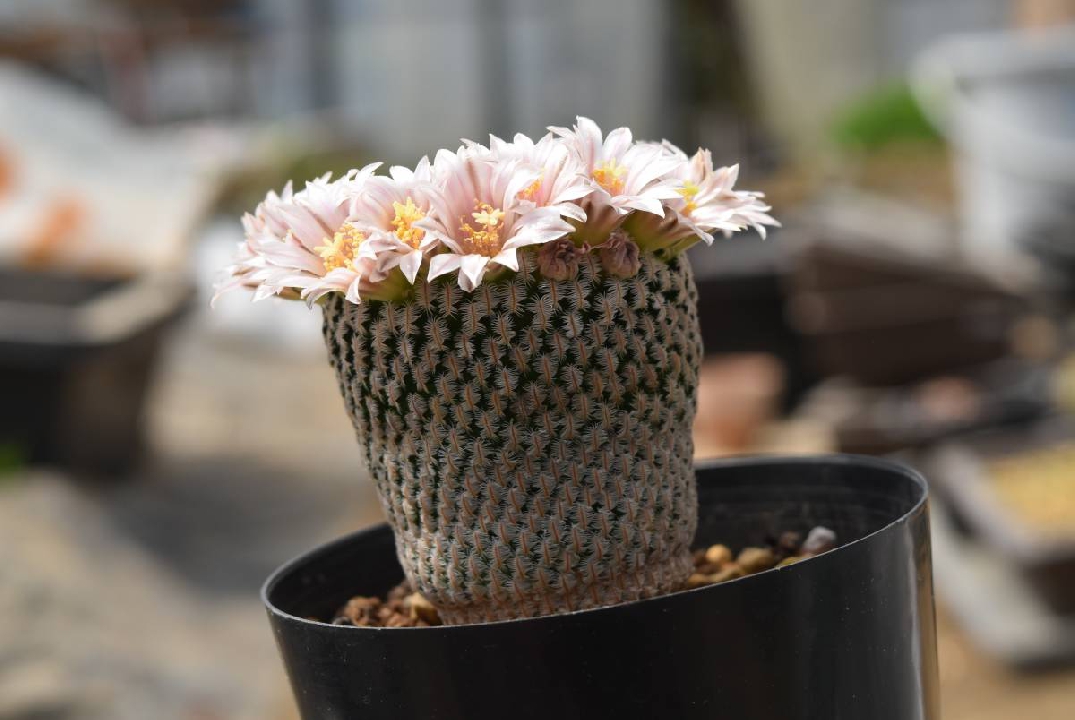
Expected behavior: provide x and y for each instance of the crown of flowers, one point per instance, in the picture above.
(471, 212)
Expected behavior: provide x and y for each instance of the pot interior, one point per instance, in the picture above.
(739, 506)
(741, 503)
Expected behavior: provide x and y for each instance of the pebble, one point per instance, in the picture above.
(361, 610)
(819, 540)
(698, 580)
(732, 572)
(421, 609)
(755, 559)
(718, 555)
(789, 543)
(403, 607)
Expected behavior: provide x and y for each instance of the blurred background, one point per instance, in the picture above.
(158, 460)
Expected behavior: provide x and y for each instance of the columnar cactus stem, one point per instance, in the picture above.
(531, 440)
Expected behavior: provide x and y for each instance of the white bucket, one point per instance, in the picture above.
(1006, 101)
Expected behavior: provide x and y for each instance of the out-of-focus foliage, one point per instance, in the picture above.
(880, 118)
(11, 459)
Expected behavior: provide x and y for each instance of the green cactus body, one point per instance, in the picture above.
(531, 440)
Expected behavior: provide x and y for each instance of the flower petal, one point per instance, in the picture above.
(410, 264)
(443, 264)
(472, 269)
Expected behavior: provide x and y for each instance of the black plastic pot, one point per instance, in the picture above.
(848, 635)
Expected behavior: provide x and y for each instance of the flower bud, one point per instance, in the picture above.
(559, 259)
(619, 255)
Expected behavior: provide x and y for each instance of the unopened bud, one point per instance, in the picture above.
(619, 255)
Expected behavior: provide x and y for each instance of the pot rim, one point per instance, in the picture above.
(330, 547)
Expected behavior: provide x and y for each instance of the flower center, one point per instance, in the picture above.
(609, 175)
(484, 239)
(690, 191)
(406, 215)
(531, 190)
(342, 249)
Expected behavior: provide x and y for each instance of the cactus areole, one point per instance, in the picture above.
(514, 331)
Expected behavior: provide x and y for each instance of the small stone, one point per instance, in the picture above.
(789, 543)
(421, 609)
(819, 540)
(718, 555)
(400, 592)
(730, 572)
(753, 559)
(396, 620)
(698, 580)
(401, 607)
(360, 607)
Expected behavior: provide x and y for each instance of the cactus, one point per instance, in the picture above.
(531, 440)
(513, 329)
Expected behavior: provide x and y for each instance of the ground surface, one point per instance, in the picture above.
(140, 600)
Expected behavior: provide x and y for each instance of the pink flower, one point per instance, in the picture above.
(707, 201)
(471, 211)
(284, 235)
(388, 211)
(480, 219)
(561, 182)
(625, 176)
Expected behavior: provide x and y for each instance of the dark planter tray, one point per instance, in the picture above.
(885, 318)
(994, 604)
(882, 420)
(733, 275)
(76, 356)
(846, 635)
(1046, 563)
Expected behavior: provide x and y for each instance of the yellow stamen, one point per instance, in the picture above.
(609, 175)
(485, 240)
(406, 215)
(342, 249)
(690, 191)
(531, 190)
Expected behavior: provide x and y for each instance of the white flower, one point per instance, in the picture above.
(561, 181)
(470, 212)
(323, 206)
(299, 244)
(480, 218)
(626, 176)
(708, 201)
(387, 212)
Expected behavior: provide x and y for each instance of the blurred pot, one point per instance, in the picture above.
(884, 317)
(76, 357)
(1005, 101)
(1043, 557)
(848, 634)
